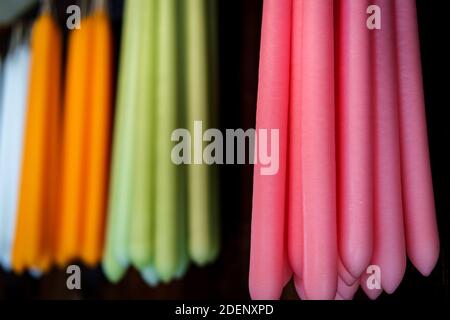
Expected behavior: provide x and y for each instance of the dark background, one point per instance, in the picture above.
(239, 33)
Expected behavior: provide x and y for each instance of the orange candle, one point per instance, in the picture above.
(98, 139)
(37, 199)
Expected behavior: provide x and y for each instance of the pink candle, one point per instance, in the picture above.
(295, 224)
(389, 243)
(300, 288)
(371, 291)
(319, 274)
(345, 291)
(422, 240)
(354, 115)
(287, 270)
(345, 275)
(268, 252)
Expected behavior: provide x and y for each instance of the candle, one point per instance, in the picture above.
(421, 232)
(97, 142)
(197, 103)
(142, 216)
(344, 274)
(268, 249)
(150, 276)
(372, 291)
(318, 152)
(345, 291)
(300, 288)
(51, 220)
(115, 258)
(389, 243)
(76, 111)
(182, 220)
(295, 225)
(166, 225)
(14, 102)
(37, 199)
(354, 117)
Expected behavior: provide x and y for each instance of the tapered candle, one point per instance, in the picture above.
(422, 240)
(295, 224)
(11, 136)
(51, 221)
(318, 151)
(370, 286)
(98, 141)
(150, 276)
(197, 103)
(354, 120)
(345, 291)
(124, 146)
(166, 227)
(115, 258)
(344, 274)
(142, 216)
(268, 248)
(300, 288)
(182, 221)
(389, 237)
(77, 106)
(36, 208)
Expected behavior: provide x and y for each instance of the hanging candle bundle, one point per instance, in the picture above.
(34, 242)
(348, 101)
(85, 146)
(14, 102)
(150, 224)
(74, 142)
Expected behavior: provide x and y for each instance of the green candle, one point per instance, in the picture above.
(142, 224)
(183, 253)
(166, 224)
(121, 188)
(198, 108)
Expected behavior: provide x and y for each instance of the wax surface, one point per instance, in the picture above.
(345, 275)
(33, 243)
(200, 211)
(300, 288)
(167, 173)
(389, 237)
(345, 291)
(268, 249)
(318, 152)
(115, 258)
(372, 292)
(354, 151)
(14, 102)
(98, 142)
(295, 222)
(142, 216)
(74, 160)
(422, 240)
